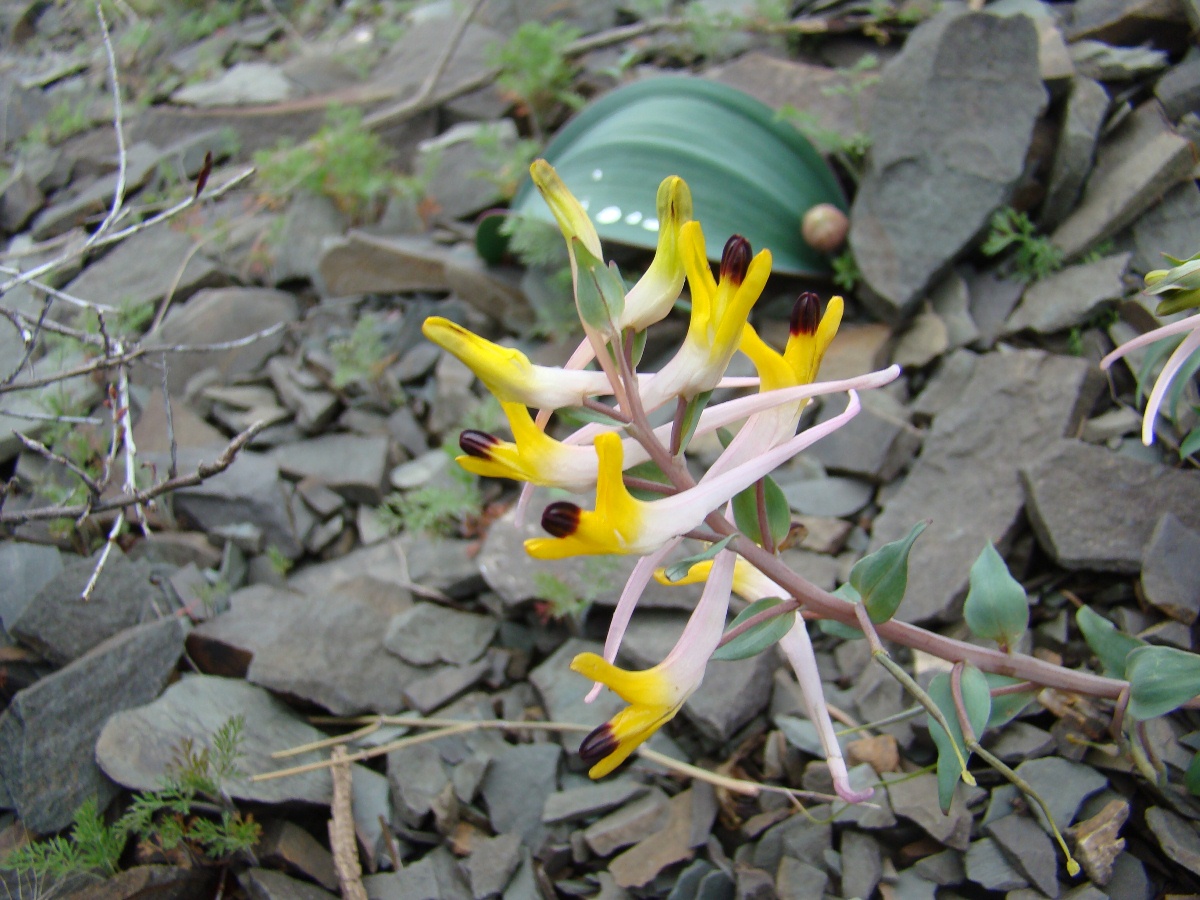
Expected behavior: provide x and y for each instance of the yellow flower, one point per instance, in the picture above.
(655, 695)
(719, 312)
(509, 374)
(809, 336)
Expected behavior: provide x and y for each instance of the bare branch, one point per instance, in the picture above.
(202, 473)
(118, 128)
(46, 453)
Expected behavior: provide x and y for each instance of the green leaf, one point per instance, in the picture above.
(1156, 353)
(1191, 777)
(882, 577)
(1161, 679)
(491, 243)
(648, 471)
(679, 570)
(779, 514)
(996, 608)
(836, 628)
(601, 292)
(614, 154)
(1190, 444)
(977, 700)
(691, 417)
(1110, 645)
(1179, 383)
(761, 636)
(1006, 707)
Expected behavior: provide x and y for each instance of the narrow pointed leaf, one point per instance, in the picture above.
(1161, 679)
(691, 417)
(761, 636)
(1191, 777)
(600, 294)
(1190, 444)
(678, 570)
(1110, 645)
(977, 700)
(882, 577)
(996, 608)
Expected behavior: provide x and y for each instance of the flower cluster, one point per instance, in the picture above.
(599, 456)
(1180, 289)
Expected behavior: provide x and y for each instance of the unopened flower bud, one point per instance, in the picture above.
(735, 260)
(806, 314)
(824, 228)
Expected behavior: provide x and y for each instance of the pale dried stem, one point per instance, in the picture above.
(118, 129)
(342, 840)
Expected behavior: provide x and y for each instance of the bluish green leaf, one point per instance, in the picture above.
(996, 608)
(1179, 383)
(601, 292)
(614, 154)
(977, 701)
(1191, 444)
(1161, 679)
(679, 570)
(1191, 777)
(836, 628)
(647, 471)
(882, 577)
(491, 243)
(761, 636)
(1007, 707)
(691, 418)
(779, 514)
(1156, 353)
(1110, 645)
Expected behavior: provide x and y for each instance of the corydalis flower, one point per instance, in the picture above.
(623, 524)
(719, 311)
(1189, 326)
(509, 374)
(655, 695)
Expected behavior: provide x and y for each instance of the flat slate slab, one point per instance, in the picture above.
(1012, 408)
(48, 733)
(1094, 509)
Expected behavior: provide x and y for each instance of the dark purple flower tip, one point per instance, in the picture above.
(477, 443)
(735, 260)
(599, 744)
(561, 518)
(806, 314)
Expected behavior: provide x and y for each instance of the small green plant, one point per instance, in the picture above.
(361, 357)
(199, 20)
(850, 150)
(557, 600)
(343, 161)
(432, 509)
(846, 273)
(66, 118)
(535, 71)
(279, 563)
(1034, 256)
(164, 819)
(504, 165)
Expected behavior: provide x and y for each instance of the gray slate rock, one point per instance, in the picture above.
(862, 864)
(245, 84)
(1063, 784)
(363, 263)
(425, 693)
(416, 776)
(1135, 166)
(24, 570)
(1028, 849)
(1069, 297)
(1177, 837)
(454, 165)
(562, 692)
(798, 837)
(353, 465)
(427, 633)
(1172, 227)
(971, 68)
(436, 876)
(917, 799)
(516, 786)
(492, 863)
(876, 444)
(590, 799)
(142, 269)
(1088, 505)
(62, 627)
(309, 655)
(308, 222)
(1087, 107)
(214, 316)
(48, 733)
(137, 747)
(1179, 89)
(990, 869)
(832, 496)
(268, 884)
(1012, 408)
(631, 823)
(249, 491)
(94, 199)
(1171, 570)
